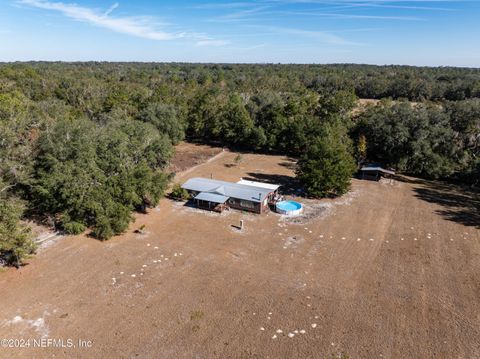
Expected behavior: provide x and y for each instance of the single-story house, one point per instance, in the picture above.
(375, 172)
(218, 195)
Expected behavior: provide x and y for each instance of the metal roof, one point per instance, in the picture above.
(376, 168)
(272, 187)
(228, 189)
(211, 197)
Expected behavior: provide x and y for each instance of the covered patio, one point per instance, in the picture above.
(211, 201)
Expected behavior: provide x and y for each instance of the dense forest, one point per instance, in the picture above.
(82, 145)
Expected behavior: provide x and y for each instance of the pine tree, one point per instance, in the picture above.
(327, 166)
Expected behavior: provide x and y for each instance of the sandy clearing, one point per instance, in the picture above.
(398, 299)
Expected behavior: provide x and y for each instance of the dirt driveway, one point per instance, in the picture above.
(391, 270)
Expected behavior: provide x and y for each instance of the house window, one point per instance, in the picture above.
(247, 204)
(231, 201)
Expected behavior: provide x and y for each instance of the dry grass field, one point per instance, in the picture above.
(391, 270)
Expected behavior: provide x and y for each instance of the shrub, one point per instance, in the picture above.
(74, 227)
(103, 230)
(238, 158)
(179, 193)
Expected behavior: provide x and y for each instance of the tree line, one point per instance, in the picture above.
(430, 140)
(83, 145)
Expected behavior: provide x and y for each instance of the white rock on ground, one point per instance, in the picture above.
(291, 335)
(314, 325)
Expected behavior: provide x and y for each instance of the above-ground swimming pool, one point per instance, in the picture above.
(289, 207)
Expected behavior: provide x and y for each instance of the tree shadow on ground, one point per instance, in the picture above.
(291, 165)
(290, 185)
(460, 204)
(185, 202)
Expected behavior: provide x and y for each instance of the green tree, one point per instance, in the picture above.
(204, 116)
(15, 242)
(164, 118)
(327, 166)
(417, 140)
(91, 176)
(237, 124)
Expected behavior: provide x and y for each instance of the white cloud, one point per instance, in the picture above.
(137, 26)
(348, 16)
(110, 9)
(323, 36)
(211, 42)
(241, 15)
(223, 5)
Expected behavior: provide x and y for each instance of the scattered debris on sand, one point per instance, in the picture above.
(38, 325)
(293, 242)
(313, 209)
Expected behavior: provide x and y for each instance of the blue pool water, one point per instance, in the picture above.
(289, 205)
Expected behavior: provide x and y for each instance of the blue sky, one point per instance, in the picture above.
(435, 32)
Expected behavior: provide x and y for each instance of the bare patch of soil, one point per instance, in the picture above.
(188, 155)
